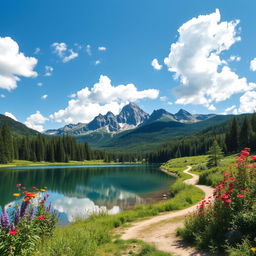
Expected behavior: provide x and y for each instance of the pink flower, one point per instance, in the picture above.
(240, 196)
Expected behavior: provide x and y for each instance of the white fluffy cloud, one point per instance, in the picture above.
(155, 64)
(10, 115)
(2, 96)
(247, 103)
(195, 59)
(45, 96)
(13, 64)
(36, 121)
(97, 62)
(65, 54)
(102, 48)
(39, 84)
(101, 98)
(253, 64)
(48, 71)
(229, 109)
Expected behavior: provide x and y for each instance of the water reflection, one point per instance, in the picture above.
(75, 192)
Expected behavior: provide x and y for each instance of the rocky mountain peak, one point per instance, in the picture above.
(132, 114)
(182, 114)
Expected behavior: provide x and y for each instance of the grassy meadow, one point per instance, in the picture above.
(95, 235)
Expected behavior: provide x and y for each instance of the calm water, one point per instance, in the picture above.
(78, 190)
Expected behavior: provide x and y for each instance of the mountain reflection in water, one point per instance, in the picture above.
(79, 191)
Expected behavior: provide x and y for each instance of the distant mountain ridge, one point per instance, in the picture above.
(130, 117)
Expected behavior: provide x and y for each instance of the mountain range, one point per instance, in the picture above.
(130, 117)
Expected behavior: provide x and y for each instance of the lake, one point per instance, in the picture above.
(76, 191)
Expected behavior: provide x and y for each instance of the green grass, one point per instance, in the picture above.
(213, 176)
(30, 163)
(94, 236)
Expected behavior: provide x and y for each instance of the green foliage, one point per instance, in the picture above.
(27, 224)
(215, 154)
(6, 145)
(221, 224)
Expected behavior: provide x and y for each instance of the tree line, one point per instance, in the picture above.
(53, 149)
(231, 136)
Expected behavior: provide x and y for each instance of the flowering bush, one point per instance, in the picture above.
(27, 223)
(228, 217)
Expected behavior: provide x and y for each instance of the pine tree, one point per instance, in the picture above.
(253, 122)
(232, 139)
(7, 150)
(245, 134)
(215, 154)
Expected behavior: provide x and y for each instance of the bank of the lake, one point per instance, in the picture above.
(23, 163)
(92, 236)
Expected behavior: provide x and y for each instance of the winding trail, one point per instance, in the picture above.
(161, 230)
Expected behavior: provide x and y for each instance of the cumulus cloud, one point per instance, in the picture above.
(253, 64)
(13, 64)
(195, 60)
(39, 84)
(65, 54)
(2, 96)
(45, 96)
(10, 115)
(36, 121)
(48, 71)
(155, 64)
(102, 48)
(101, 98)
(229, 109)
(247, 103)
(97, 62)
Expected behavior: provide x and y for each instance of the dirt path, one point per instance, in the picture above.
(161, 230)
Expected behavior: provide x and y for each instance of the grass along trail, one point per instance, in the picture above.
(161, 230)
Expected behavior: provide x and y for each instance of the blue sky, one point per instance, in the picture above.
(130, 35)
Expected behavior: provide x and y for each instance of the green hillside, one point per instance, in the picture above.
(148, 137)
(16, 128)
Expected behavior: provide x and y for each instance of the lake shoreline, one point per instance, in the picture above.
(21, 163)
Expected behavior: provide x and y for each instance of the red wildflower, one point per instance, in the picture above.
(18, 185)
(224, 196)
(253, 158)
(240, 195)
(13, 232)
(23, 187)
(228, 201)
(40, 218)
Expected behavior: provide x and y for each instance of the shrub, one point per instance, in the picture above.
(229, 216)
(26, 224)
